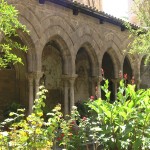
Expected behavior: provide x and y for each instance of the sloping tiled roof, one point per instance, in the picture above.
(91, 11)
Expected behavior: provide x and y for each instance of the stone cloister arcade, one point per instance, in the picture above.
(66, 52)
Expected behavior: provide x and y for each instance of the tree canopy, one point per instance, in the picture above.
(9, 26)
(141, 36)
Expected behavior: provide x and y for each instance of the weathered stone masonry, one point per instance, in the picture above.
(66, 52)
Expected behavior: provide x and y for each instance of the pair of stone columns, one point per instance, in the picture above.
(69, 82)
(69, 92)
(33, 79)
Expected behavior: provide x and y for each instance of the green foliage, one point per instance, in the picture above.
(9, 25)
(125, 123)
(140, 37)
(34, 132)
(121, 125)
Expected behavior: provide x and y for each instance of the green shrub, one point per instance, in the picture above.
(125, 124)
(122, 125)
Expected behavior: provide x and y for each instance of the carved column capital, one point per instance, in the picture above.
(38, 75)
(97, 78)
(70, 79)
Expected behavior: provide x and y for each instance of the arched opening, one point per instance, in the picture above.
(127, 70)
(83, 85)
(14, 84)
(52, 66)
(108, 67)
(144, 74)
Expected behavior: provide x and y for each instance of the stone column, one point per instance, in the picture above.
(115, 85)
(37, 77)
(100, 78)
(138, 82)
(66, 102)
(72, 81)
(30, 77)
(66, 89)
(98, 81)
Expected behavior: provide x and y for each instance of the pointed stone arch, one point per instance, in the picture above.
(31, 52)
(108, 69)
(58, 35)
(93, 51)
(28, 18)
(114, 51)
(144, 73)
(56, 62)
(87, 31)
(55, 19)
(134, 63)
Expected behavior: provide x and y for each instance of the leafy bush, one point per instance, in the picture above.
(34, 132)
(121, 125)
(125, 124)
(9, 27)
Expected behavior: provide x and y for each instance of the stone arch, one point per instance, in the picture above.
(31, 53)
(86, 30)
(128, 68)
(55, 19)
(108, 72)
(92, 49)
(86, 54)
(27, 17)
(83, 64)
(144, 73)
(52, 67)
(114, 51)
(112, 37)
(57, 34)
(55, 63)
(116, 61)
(134, 63)
(111, 61)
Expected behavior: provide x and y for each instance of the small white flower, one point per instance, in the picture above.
(74, 107)
(5, 133)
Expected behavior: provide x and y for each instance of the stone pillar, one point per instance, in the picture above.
(138, 82)
(72, 81)
(100, 78)
(115, 85)
(66, 96)
(30, 77)
(37, 77)
(98, 81)
(66, 102)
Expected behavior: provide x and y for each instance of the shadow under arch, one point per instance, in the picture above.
(127, 69)
(111, 65)
(108, 67)
(116, 61)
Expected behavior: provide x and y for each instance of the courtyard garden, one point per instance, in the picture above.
(93, 124)
(121, 125)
